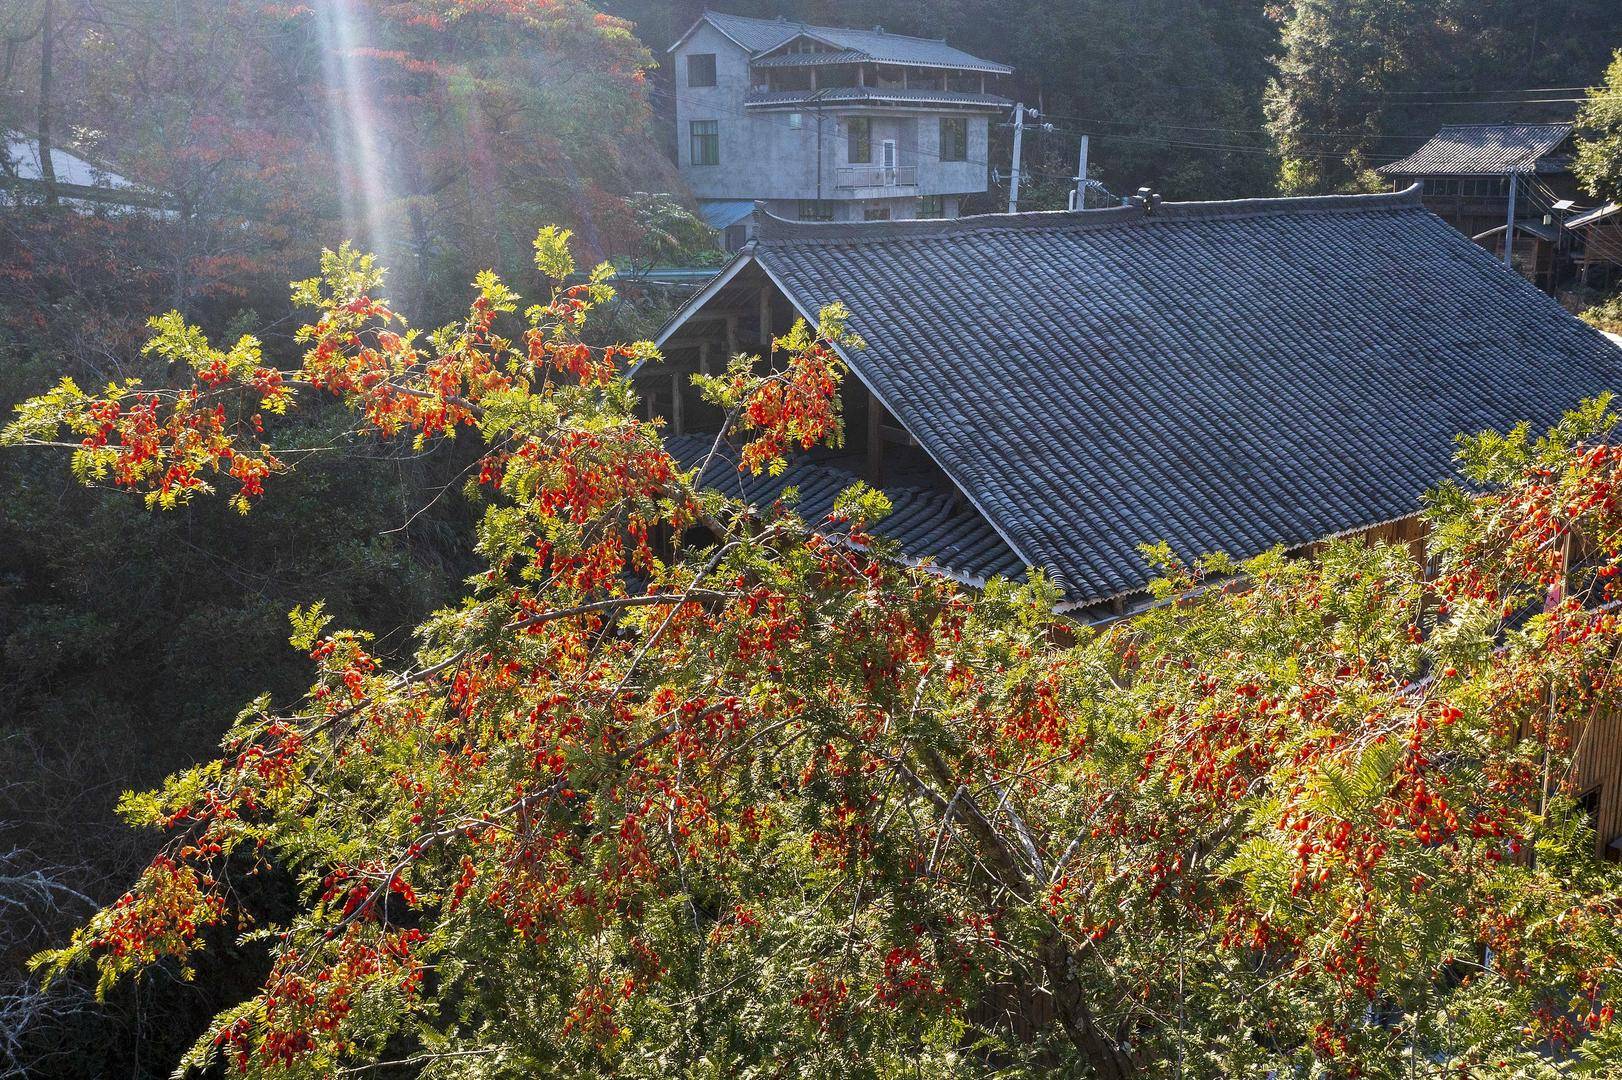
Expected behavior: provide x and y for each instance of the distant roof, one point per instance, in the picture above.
(1599, 214)
(22, 160)
(1532, 227)
(1485, 150)
(761, 36)
(1222, 376)
(925, 523)
(79, 182)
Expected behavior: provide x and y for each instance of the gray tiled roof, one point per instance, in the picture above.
(763, 35)
(846, 94)
(1484, 150)
(927, 524)
(812, 59)
(1222, 376)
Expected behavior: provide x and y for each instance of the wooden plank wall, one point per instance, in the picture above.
(1596, 770)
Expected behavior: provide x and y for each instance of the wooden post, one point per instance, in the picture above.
(704, 357)
(765, 318)
(875, 441)
(1509, 225)
(676, 427)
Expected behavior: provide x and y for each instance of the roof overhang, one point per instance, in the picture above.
(1590, 217)
(700, 21)
(721, 280)
(749, 256)
(879, 99)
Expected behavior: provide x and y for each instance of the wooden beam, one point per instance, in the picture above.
(875, 441)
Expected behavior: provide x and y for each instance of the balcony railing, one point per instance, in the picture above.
(876, 176)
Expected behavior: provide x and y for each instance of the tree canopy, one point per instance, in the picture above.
(1599, 144)
(683, 785)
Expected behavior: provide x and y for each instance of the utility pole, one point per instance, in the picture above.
(1019, 139)
(1509, 226)
(1078, 200)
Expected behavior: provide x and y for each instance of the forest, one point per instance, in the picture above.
(140, 635)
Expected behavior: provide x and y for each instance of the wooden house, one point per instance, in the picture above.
(1466, 173)
(1055, 389)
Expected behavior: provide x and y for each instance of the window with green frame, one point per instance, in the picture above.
(954, 138)
(706, 142)
(816, 210)
(932, 206)
(859, 140)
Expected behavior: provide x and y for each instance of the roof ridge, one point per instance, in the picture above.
(773, 229)
(803, 25)
(1410, 198)
(1505, 127)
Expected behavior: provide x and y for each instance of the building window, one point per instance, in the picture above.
(1588, 803)
(796, 120)
(954, 138)
(877, 213)
(859, 140)
(816, 210)
(932, 206)
(706, 146)
(701, 69)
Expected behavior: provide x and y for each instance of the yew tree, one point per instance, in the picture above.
(687, 786)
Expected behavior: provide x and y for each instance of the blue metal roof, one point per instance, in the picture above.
(720, 214)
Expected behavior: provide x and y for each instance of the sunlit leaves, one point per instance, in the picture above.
(685, 786)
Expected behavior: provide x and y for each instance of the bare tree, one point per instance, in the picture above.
(34, 901)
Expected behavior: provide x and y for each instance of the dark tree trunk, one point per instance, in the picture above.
(1108, 1060)
(47, 167)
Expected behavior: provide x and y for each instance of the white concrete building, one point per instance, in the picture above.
(828, 124)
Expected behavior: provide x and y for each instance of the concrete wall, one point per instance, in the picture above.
(773, 156)
(763, 155)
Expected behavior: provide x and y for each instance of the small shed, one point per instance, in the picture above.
(1536, 254)
(1597, 245)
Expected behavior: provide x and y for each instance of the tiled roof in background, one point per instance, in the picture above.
(845, 94)
(1222, 376)
(925, 523)
(763, 35)
(1483, 150)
